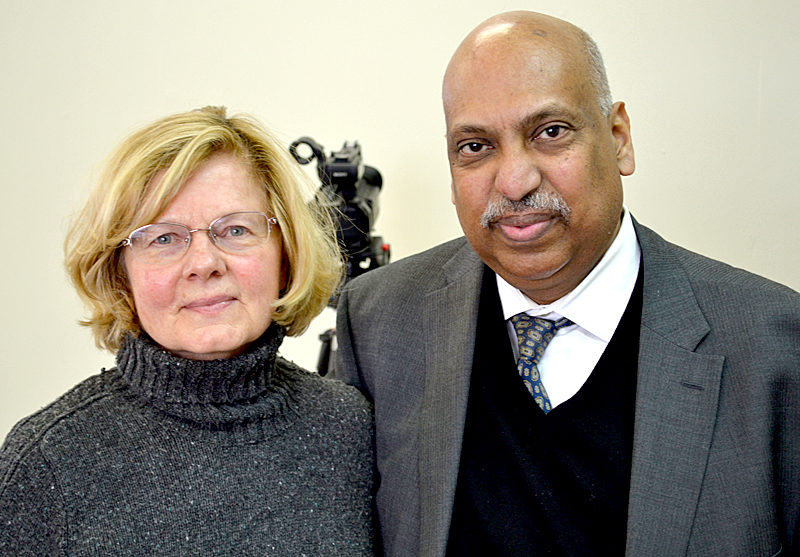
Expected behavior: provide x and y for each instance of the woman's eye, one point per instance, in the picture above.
(235, 231)
(164, 240)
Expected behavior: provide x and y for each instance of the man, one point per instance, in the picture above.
(662, 418)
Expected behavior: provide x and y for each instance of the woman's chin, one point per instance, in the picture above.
(210, 349)
(215, 342)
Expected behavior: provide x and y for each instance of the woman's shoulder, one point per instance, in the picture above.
(30, 432)
(330, 395)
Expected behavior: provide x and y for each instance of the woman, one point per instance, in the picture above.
(195, 254)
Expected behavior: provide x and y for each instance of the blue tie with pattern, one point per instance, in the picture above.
(533, 336)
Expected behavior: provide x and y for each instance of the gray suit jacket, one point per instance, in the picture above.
(716, 453)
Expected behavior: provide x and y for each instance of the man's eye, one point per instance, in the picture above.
(472, 148)
(552, 132)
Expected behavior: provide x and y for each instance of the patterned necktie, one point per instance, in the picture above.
(533, 336)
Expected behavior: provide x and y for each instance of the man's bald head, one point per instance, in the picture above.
(521, 33)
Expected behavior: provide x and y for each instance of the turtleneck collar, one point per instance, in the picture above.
(163, 378)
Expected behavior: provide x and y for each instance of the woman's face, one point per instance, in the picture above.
(209, 304)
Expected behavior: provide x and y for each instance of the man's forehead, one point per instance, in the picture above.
(511, 62)
(522, 75)
(510, 78)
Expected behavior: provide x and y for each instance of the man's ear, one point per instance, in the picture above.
(621, 130)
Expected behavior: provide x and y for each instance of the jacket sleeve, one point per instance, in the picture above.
(346, 365)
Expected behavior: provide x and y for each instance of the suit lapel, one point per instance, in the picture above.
(676, 404)
(449, 318)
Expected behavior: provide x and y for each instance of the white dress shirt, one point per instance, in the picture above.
(595, 307)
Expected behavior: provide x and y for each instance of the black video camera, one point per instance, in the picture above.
(350, 190)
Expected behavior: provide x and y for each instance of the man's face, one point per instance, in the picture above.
(525, 124)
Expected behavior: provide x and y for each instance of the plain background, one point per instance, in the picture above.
(710, 86)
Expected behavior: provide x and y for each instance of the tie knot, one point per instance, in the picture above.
(535, 333)
(524, 322)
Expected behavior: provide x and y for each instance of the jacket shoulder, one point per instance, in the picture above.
(704, 270)
(409, 273)
(724, 293)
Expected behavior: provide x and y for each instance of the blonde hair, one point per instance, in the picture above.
(127, 197)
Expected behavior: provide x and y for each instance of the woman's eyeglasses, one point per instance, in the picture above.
(165, 242)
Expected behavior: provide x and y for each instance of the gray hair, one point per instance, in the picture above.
(597, 74)
(539, 199)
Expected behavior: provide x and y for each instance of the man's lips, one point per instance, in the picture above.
(210, 305)
(527, 227)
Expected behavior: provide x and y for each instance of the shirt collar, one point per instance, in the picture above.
(598, 302)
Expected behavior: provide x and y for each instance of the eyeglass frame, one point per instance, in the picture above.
(271, 221)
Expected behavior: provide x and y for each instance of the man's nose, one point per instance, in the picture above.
(518, 173)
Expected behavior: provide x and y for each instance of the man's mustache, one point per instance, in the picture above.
(539, 200)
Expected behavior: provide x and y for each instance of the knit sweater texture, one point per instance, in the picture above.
(167, 456)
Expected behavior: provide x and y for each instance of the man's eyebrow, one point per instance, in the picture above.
(466, 129)
(547, 112)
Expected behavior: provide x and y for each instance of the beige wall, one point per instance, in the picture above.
(711, 89)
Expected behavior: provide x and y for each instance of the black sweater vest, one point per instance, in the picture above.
(536, 484)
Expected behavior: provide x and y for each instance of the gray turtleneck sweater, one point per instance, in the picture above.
(167, 456)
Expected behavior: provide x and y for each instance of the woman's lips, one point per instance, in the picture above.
(210, 305)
